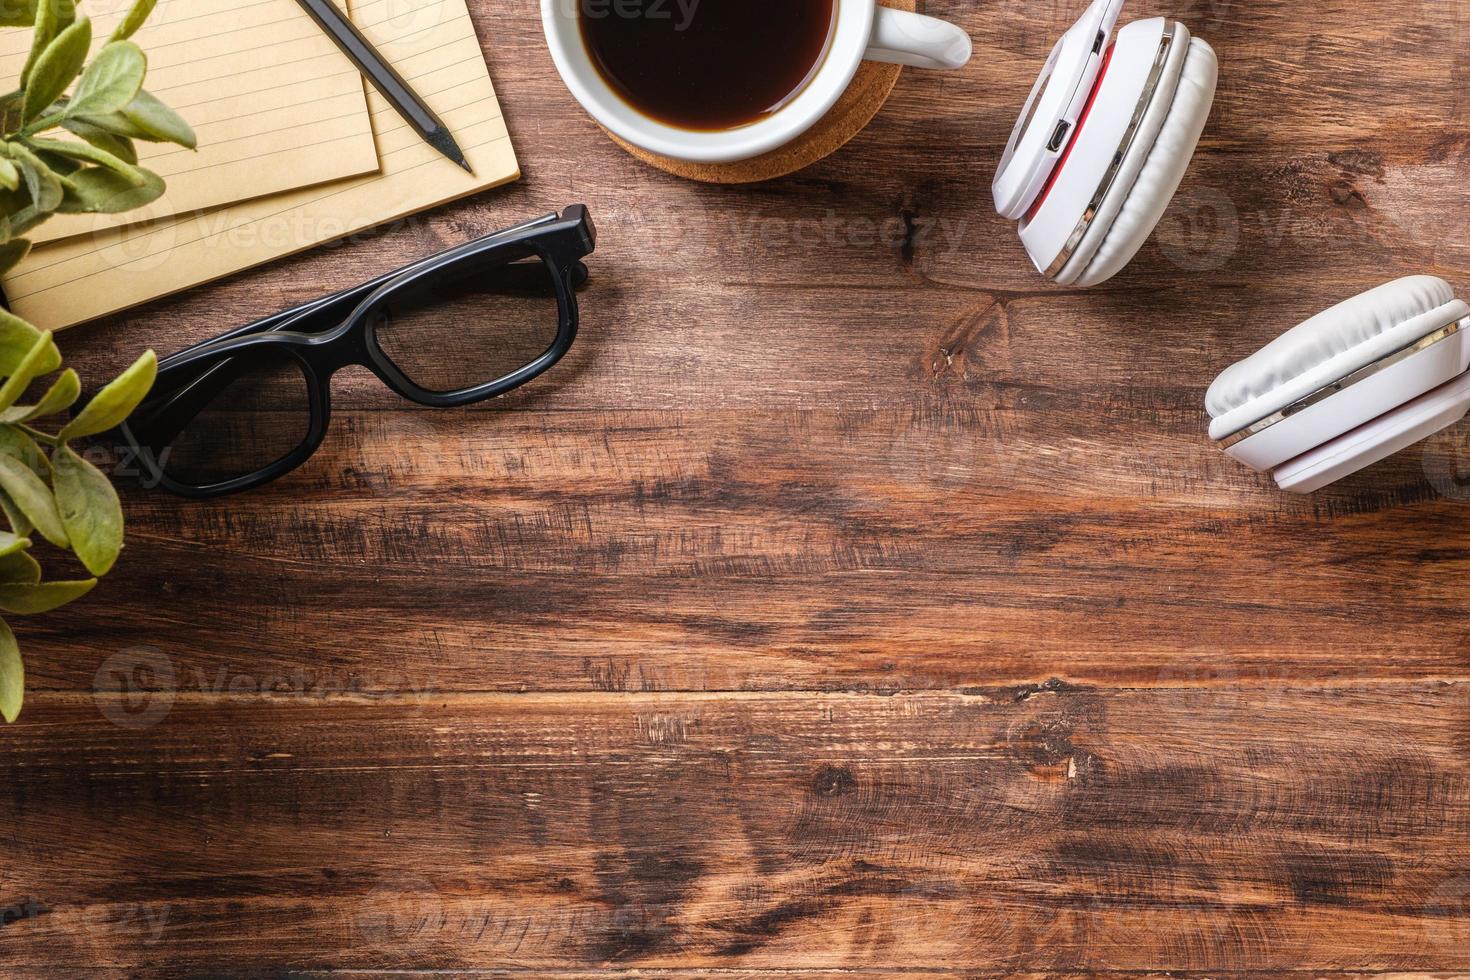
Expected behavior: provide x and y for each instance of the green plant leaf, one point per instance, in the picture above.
(62, 167)
(90, 510)
(34, 500)
(158, 122)
(12, 543)
(22, 13)
(18, 521)
(47, 26)
(16, 340)
(24, 220)
(27, 600)
(10, 106)
(119, 146)
(15, 443)
(62, 394)
(17, 566)
(111, 81)
(41, 182)
(97, 190)
(56, 67)
(12, 675)
(25, 372)
(12, 252)
(137, 14)
(17, 13)
(9, 175)
(115, 123)
(115, 402)
(90, 154)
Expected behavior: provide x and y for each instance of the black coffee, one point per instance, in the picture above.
(707, 64)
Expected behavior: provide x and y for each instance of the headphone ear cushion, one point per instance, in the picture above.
(1328, 347)
(1139, 206)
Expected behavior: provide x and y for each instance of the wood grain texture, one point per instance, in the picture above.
(848, 603)
(1046, 826)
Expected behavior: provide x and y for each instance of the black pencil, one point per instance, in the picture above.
(385, 79)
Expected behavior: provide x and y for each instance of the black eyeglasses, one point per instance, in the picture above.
(468, 324)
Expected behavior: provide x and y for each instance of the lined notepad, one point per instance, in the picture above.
(275, 105)
(433, 45)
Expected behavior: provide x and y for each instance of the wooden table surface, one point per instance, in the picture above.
(849, 600)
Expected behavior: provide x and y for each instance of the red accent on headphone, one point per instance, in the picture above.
(1102, 73)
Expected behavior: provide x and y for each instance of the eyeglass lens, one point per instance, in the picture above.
(258, 412)
(471, 326)
(464, 327)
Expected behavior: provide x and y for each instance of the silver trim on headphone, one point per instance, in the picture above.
(1129, 135)
(1361, 374)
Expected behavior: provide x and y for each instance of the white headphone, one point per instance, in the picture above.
(1103, 141)
(1349, 387)
(1094, 160)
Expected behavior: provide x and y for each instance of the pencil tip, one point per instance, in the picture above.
(440, 140)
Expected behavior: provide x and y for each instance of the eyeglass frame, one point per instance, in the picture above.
(560, 241)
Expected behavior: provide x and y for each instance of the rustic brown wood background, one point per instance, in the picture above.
(850, 600)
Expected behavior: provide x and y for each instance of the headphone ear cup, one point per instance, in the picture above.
(1390, 433)
(1330, 345)
(1151, 171)
(1349, 387)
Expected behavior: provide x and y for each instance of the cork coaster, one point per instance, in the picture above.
(869, 90)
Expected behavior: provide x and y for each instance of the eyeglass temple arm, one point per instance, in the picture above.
(299, 316)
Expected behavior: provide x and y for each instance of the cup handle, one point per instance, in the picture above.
(904, 38)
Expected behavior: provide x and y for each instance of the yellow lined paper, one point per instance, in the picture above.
(433, 45)
(275, 105)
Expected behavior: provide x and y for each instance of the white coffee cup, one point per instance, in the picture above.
(863, 30)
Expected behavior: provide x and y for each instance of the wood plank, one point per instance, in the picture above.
(1047, 827)
(816, 295)
(885, 550)
(614, 973)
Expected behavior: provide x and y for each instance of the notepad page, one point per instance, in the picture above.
(433, 45)
(275, 104)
